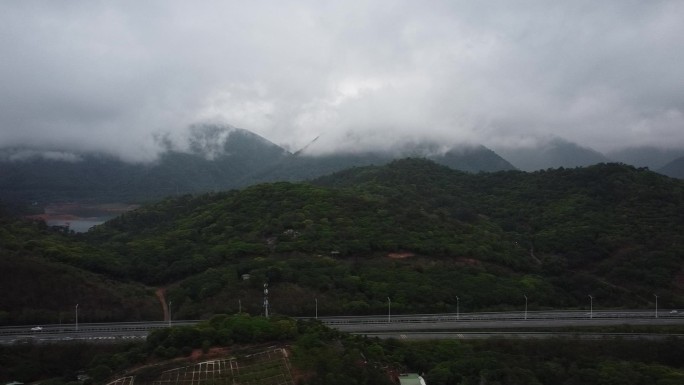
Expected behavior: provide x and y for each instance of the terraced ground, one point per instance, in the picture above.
(270, 367)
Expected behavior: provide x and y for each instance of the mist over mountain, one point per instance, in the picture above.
(310, 163)
(554, 153)
(558, 152)
(214, 158)
(674, 169)
(211, 158)
(646, 156)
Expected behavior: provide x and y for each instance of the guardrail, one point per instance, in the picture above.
(498, 316)
(93, 327)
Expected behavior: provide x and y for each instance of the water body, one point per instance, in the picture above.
(81, 217)
(80, 225)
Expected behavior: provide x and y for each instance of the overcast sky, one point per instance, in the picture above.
(116, 76)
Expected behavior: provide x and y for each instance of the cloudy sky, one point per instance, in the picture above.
(116, 76)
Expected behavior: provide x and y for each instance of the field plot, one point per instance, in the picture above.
(123, 381)
(270, 367)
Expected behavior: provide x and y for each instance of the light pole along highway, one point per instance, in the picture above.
(458, 316)
(413, 323)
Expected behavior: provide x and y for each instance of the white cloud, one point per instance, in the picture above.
(103, 76)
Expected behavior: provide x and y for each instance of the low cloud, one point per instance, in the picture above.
(127, 78)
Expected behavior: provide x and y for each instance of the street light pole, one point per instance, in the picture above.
(525, 295)
(316, 299)
(76, 317)
(656, 311)
(457, 310)
(591, 306)
(389, 310)
(169, 313)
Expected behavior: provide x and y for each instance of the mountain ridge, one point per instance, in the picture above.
(554, 153)
(674, 169)
(216, 158)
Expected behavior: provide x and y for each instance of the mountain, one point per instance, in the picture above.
(552, 154)
(674, 169)
(430, 238)
(303, 165)
(646, 156)
(404, 229)
(473, 159)
(414, 230)
(216, 158)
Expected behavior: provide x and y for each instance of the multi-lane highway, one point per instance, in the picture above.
(388, 324)
(97, 332)
(519, 335)
(502, 320)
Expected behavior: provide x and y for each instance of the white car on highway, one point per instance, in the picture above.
(36, 329)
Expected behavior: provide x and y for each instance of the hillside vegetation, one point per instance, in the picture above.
(39, 287)
(414, 231)
(284, 351)
(417, 232)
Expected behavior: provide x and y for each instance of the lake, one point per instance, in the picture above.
(80, 225)
(80, 217)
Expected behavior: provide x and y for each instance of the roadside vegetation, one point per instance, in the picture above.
(323, 356)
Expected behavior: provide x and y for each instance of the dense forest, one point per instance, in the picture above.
(405, 229)
(41, 284)
(411, 230)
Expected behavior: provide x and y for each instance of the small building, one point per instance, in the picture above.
(411, 379)
(246, 277)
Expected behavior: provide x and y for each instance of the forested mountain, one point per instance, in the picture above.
(674, 169)
(416, 231)
(216, 158)
(412, 230)
(304, 166)
(553, 154)
(646, 156)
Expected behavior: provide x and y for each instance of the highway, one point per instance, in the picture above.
(502, 320)
(369, 325)
(519, 335)
(95, 332)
